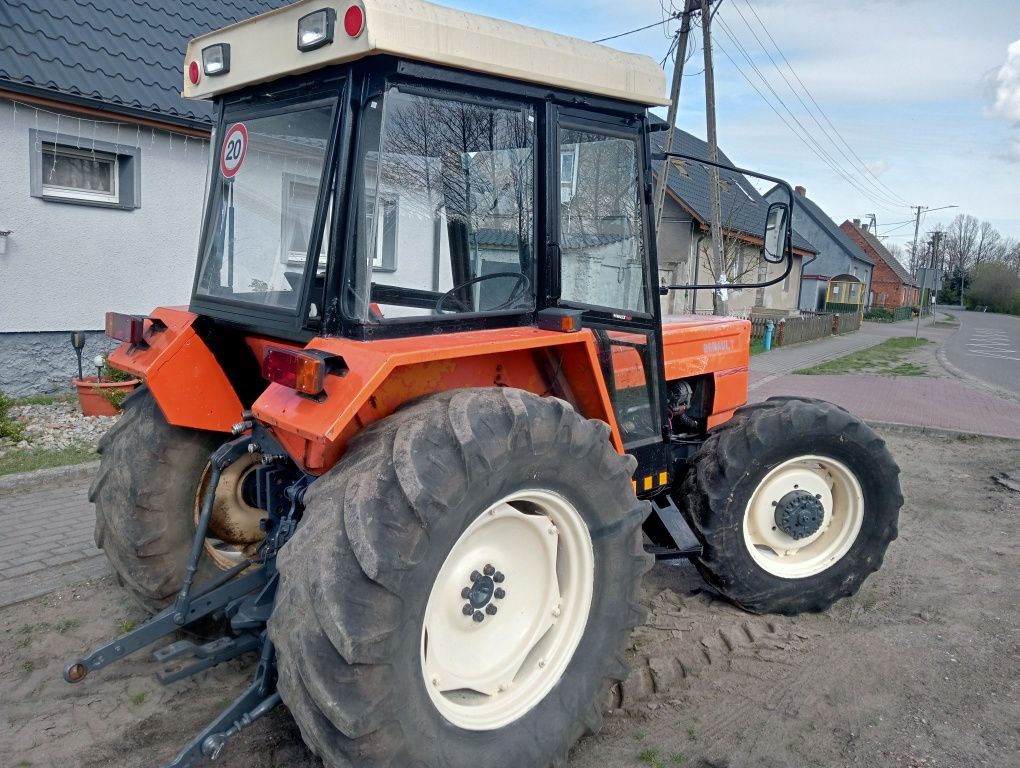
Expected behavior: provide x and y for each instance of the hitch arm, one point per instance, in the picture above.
(162, 624)
(259, 699)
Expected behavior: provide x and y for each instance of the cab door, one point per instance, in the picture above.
(600, 230)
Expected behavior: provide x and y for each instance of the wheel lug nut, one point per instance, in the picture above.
(491, 609)
(478, 616)
(500, 593)
(468, 609)
(498, 577)
(488, 570)
(475, 576)
(465, 593)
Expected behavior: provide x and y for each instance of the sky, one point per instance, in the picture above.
(925, 93)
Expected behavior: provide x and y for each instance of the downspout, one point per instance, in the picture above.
(695, 250)
(800, 280)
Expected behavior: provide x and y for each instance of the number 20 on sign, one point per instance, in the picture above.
(235, 145)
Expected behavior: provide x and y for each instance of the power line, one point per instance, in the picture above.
(803, 134)
(875, 196)
(821, 111)
(891, 199)
(632, 31)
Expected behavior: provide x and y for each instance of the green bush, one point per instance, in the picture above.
(878, 313)
(9, 428)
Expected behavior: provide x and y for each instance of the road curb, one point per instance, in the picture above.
(915, 429)
(35, 478)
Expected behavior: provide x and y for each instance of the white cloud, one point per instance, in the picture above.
(878, 167)
(1007, 91)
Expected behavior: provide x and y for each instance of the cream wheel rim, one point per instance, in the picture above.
(235, 526)
(526, 569)
(816, 482)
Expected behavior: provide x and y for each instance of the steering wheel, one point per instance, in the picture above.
(522, 284)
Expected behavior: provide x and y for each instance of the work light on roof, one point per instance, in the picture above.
(216, 59)
(316, 29)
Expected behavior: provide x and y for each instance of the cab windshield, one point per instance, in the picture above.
(445, 221)
(267, 172)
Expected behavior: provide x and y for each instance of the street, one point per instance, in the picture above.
(987, 347)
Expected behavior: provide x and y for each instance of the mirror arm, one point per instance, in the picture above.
(665, 289)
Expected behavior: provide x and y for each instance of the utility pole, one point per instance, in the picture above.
(718, 302)
(917, 226)
(674, 105)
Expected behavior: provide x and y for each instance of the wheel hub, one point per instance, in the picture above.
(799, 514)
(480, 594)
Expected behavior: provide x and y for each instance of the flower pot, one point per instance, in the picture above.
(99, 398)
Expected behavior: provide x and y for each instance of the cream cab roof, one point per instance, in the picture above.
(265, 48)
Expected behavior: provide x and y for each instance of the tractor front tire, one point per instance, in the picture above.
(462, 586)
(795, 502)
(144, 493)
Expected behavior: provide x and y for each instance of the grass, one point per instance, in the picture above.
(27, 459)
(885, 359)
(126, 626)
(139, 698)
(757, 346)
(651, 757)
(45, 399)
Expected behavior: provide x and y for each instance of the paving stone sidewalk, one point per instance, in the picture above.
(48, 541)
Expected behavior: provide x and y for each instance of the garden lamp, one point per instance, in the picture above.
(78, 342)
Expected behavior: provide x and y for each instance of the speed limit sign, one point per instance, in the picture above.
(235, 145)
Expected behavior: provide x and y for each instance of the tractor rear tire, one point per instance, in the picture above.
(795, 503)
(394, 540)
(144, 494)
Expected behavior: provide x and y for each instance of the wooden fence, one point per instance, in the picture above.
(807, 326)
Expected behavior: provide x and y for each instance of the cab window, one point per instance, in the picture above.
(602, 253)
(445, 217)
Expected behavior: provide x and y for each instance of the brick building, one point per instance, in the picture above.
(891, 283)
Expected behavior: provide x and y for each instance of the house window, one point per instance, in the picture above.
(568, 173)
(79, 174)
(385, 257)
(298, 209)
(103, 174)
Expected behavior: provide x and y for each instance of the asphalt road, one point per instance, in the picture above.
(987, 346)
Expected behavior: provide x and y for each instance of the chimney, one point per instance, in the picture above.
(858, 225)
(800, 191)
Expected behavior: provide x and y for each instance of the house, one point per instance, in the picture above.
(685, 241)
(103, 167)
(838, 278)
(891, 283)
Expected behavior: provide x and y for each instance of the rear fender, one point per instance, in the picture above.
(187, 382)
(382, 375)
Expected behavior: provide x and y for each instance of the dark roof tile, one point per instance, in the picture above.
(743, 207)
(126, 53)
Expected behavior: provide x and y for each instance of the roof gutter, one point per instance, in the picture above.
(47, 98)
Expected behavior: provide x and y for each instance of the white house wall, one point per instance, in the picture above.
(65, 265)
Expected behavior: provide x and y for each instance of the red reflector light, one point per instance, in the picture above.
(127, 328)
(354, 21)
(194, 72)
(294, 369)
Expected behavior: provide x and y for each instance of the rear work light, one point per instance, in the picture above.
(316, 29)
(303, 370)
(216, 59)
(129, 328)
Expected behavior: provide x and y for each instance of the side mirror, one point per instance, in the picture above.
(777, 228)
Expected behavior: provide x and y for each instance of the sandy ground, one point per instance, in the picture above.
(922, 668)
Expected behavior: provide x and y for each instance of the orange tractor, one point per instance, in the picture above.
(423, 426)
